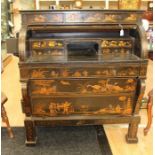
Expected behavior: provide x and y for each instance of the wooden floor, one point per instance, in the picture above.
(115, 133)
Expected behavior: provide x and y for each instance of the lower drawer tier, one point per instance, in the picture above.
(97, 105)
(81, 86)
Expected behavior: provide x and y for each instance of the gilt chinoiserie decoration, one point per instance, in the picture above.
(76, 69)
(93, 16)
(123, 107)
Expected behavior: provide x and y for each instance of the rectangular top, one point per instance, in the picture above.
(72, 17)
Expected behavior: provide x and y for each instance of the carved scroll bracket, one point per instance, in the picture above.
(26, 106)
(141, 90)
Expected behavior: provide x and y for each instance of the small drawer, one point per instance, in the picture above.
(117, 43)
(48, 52)
(121, 104)
(46, 43)
(80, 86)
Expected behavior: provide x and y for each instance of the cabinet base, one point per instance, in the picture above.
(32, 122)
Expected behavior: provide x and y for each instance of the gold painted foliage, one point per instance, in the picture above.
(115, 43)
(122, 98)
(40, 18)
(38, 74)
(43, 83)
(45, 91)
(65, 83)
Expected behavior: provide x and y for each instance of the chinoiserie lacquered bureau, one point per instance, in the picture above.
(82, 67)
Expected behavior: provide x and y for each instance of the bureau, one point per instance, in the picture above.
(82, 67)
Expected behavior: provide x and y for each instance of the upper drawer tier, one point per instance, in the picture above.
(81, 86)
(83, 71)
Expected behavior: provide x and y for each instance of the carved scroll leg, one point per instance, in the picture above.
(131, 137)
(30, 133)
(6, 120)
(149, 113)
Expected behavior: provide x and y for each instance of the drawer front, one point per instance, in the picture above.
(79, 72)
(85, 86)
(99, 105)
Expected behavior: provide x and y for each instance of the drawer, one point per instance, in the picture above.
(46, 44)
(79, 72)
(80, 86)
(98, 105)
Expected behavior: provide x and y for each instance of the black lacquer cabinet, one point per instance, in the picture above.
(82, 67)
